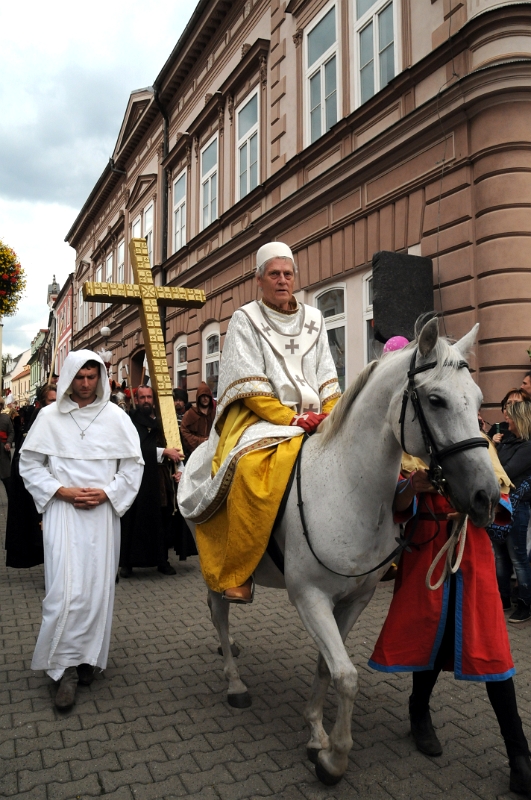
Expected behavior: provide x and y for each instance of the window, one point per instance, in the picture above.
(148, 231)
(99, 278)
(121, 263)
(136, 230)
(247, 133)
(81, 311)
(331, 304)
(181, 363)
(209, 183)
(321, 75)
(108, 274)
(374, 31)
(179, 212)
(373, 349)
(211, 356)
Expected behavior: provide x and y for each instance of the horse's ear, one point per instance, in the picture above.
(468, 341)
(428, 336)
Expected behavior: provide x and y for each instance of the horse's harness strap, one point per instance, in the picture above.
(436, 455)
(435, 473)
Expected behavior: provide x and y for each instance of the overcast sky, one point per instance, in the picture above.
(67, 73)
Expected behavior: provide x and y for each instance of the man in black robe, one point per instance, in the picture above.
(144, 527)
(24, 548)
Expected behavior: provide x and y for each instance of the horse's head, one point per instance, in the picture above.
(441, 411)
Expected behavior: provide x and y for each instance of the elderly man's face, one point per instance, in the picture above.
(278, 282)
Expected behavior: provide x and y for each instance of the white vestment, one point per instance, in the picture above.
(81, 546)
(270, 354)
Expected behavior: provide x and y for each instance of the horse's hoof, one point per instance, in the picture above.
(241, 700)
(313, 753)
(325, 776)
(235, 650)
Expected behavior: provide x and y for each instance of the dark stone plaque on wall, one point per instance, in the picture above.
(402, 290)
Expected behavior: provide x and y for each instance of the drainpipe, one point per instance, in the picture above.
(164, 211)
(115, 169)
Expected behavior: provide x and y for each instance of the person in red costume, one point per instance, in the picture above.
(459, 627)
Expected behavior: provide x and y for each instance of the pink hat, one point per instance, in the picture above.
(395, 343)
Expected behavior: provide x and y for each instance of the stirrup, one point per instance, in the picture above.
(241, 600)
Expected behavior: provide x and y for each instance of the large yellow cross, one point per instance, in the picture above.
(149, 297)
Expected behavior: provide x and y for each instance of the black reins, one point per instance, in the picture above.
(435, 472)
(436, 455)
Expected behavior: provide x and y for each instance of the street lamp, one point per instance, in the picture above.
(105, 332)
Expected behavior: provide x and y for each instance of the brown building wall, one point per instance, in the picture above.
(436, 163)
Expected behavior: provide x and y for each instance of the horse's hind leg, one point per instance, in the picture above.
(237, 694)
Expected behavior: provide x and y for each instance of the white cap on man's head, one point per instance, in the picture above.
(272, 250)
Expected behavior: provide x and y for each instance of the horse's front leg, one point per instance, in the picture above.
(317, 614)
(346, 613)
(237, 694)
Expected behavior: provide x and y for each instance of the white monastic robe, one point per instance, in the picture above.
(92, 447)
(274, 365)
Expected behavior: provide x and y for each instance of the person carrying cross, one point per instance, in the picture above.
(277, 381)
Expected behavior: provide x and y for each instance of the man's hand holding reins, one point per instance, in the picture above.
(309, 421)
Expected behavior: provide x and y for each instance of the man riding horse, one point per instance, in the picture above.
(277, 380)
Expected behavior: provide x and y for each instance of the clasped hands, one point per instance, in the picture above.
(81, 497)
(309, 421)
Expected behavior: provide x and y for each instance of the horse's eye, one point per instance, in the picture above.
(436, 401)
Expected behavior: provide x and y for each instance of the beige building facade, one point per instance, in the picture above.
(341, 128)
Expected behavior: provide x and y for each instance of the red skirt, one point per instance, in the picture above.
(412, 633)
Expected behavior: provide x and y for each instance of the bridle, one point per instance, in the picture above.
(436, 472)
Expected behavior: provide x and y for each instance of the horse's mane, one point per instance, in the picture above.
(330, 426)
(446, 356)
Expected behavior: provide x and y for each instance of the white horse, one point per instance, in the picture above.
(349, 472)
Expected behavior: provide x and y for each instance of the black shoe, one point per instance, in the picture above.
(506, 603)
(167, 569)
(423, 733)
(520, 781)
(85, 673)
(126, 572)
(522, 613)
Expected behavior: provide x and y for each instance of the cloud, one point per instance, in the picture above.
(71, 76)
(67, 72)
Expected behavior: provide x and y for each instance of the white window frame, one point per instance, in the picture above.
(204, 179)
(179, 209)
(81, 310)
(208, 331)
(361, 23)
(180, 342)
(368, 314)
(137, 222)
(246, 139)
(148, 230)
(98, 277)
(338, 320)
(120, 257)
(333, 50)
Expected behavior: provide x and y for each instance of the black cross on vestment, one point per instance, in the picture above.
(311, 407)
(311, 326)
(300, 380)
(266, 329)
(292, 346)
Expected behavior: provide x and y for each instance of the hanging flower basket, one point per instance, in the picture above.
(12, 281)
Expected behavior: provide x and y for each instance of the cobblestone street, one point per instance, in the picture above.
(157, 724)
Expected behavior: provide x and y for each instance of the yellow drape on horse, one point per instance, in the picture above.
(232, 542)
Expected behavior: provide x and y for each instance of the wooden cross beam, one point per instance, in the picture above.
(149, 297)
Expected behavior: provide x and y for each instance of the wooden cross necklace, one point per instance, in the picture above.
(82, 434)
